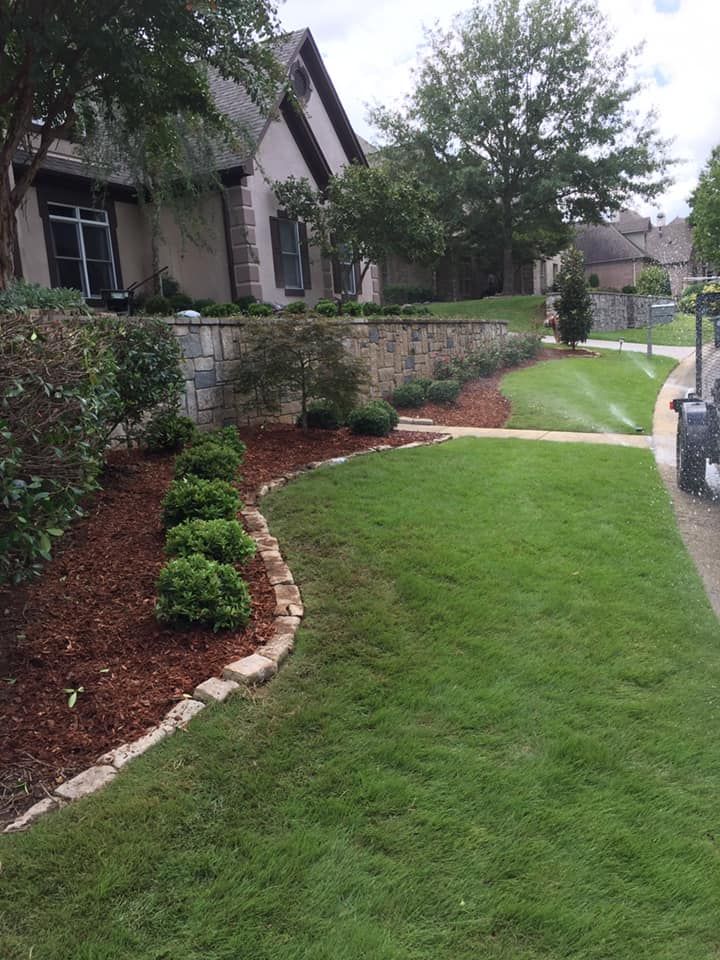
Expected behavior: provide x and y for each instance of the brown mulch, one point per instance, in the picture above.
(481, 404)
(89, 622)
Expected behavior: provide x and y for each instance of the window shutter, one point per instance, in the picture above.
(277, 260)
(304, 256)
(358, 287)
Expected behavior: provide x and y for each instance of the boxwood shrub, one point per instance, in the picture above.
(409, 395)
(193, 497)
(167, 430)
(212, 461)
(371, 420)
(323, 415)
(221, 540)
(389, 409)
(225, 436)
(444, 391)
(197, 590)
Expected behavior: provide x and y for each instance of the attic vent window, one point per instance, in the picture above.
(300, 83)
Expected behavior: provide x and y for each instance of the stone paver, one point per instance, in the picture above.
(128, 751)
(183, 712)
(87, 782)
(28, 818)
(250, 670)
(215, 690)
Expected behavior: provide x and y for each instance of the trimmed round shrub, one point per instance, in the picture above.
(297, 306)
(194, 498)
(371, 309)
(157, 305)
(594, 280)
(225, 436)
(351, 308)
(371, 420)
(424, 383)
(323, 415)
(408, 395)
(260, 310)
(444, 391)
(181, 301)
(221, 540)
(244, 303)
(197, 590)
(389, 409)
(203, 305)
(222, 310)
(211, 461)
(167, 430)
(326, 308)
(408, 310)
(629, 288)
(391, 310)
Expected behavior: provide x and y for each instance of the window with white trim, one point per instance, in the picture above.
(82, 249)
(348, 276)
(290, 254)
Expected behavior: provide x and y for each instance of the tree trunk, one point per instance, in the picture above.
(508, 271)
(8, 232)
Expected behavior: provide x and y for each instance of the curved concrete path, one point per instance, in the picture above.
(558, 436)
(659, 350)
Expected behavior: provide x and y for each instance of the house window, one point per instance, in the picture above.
(82, 249)
(290, 255)
(348, 276)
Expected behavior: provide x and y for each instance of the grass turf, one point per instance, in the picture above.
(497, 738)
(522, 313)
(611, 393)
(679, 333)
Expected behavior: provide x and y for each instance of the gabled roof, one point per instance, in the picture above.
(252, 123)
(628, 221)
(603, 243)
(672, 243)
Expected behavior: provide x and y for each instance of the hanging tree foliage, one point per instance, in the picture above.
(66, 66)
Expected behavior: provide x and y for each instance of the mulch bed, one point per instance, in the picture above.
(481, 404)
(89, 621)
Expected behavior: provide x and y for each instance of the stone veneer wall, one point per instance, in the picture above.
(395, 351)
(615, 311)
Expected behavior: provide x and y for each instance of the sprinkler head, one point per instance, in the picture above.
(639, 430)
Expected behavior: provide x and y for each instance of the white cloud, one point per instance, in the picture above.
(370, 51)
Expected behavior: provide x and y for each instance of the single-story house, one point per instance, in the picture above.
(70, 235)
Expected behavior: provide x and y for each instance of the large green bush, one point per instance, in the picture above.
(654, 282)
(147, 359)
(221, 540)
(211, 461)
(194, 498)
(197, 590)
(22, 296)
(56, 383)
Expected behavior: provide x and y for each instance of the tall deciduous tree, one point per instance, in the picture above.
(525, 103)
(66, 63)
(365, 215)
(705, 210)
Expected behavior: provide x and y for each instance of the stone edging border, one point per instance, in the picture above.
(249, 671)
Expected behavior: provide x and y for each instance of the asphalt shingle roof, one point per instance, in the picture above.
(672, 243)
(603, 243)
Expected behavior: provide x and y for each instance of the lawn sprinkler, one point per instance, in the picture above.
(620, 344)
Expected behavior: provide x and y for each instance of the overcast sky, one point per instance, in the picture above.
(370, 50)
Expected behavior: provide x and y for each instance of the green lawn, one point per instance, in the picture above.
(497, 739)
(612, 393)
(522, 313)
(679, 333)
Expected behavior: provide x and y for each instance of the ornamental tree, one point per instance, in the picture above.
(366, 214)
(574, 308)
(524, 117)
(65, 65)
(705, 210)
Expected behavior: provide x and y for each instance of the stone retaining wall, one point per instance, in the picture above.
(615, 311)
(395, 350)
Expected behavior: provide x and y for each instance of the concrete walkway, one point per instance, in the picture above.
(557, 436)
(678, 353)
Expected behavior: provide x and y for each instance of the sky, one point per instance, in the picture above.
(370, 50)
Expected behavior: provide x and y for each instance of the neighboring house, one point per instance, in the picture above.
(619, 251)
(69, 235)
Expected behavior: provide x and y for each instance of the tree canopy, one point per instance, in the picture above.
(522, 119)
(705, 210)
(64, 66)
(366, 214)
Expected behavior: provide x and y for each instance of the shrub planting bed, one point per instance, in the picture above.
(86, 630)
(481, 404)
